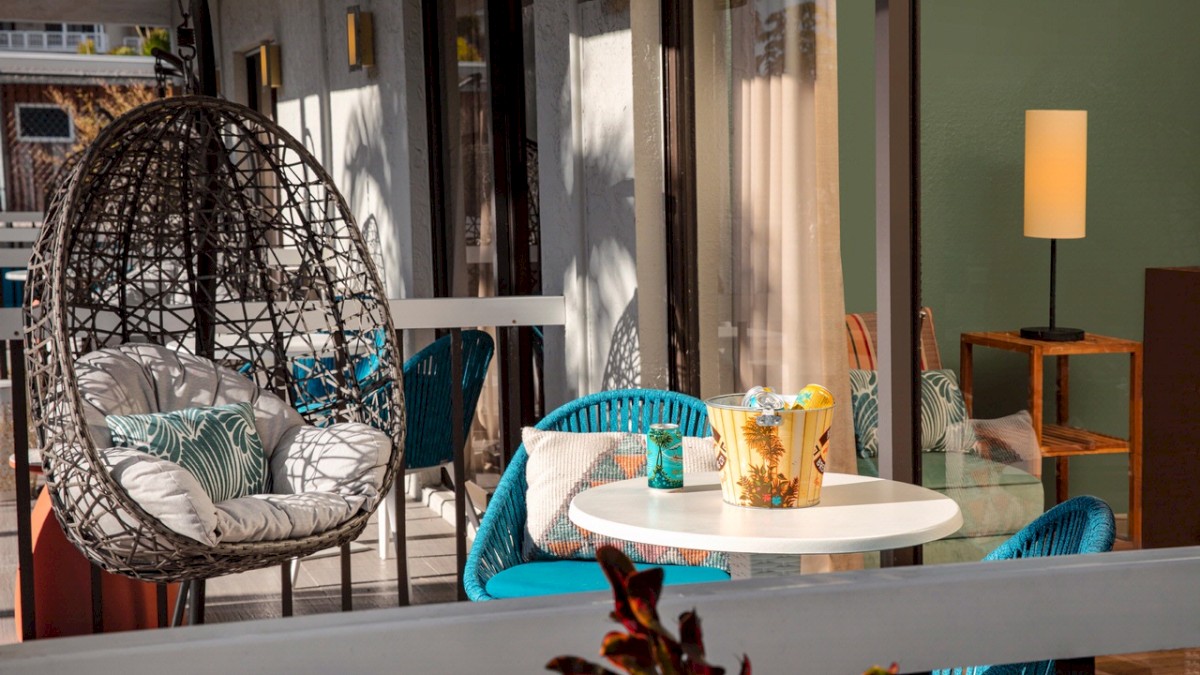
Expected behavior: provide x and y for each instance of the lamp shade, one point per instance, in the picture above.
(1055, 174)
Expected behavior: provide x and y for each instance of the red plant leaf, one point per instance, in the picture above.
(644, 589)
(573, 665)
(692, 642)
(689, 631)
(745, 665)
(618, 568)
(616, 565)
(632, 653)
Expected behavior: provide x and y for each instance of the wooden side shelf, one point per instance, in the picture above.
(1063, 441)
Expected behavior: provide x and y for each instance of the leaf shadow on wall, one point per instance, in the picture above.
(623, 368)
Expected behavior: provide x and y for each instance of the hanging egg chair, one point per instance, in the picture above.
(197, 255)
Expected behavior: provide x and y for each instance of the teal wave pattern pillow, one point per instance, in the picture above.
(218, 445)
(944, 423)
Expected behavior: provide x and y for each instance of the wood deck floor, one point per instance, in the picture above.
(255, 595)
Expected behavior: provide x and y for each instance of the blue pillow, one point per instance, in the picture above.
(218, 445)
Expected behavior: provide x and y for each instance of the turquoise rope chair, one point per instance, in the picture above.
(498, 544)
(427, 384)
(1080, 525)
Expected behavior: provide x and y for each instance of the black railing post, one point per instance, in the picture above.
(20, 410)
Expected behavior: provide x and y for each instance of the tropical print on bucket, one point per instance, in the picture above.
(773, 462)
(218, 445)
(765, 485)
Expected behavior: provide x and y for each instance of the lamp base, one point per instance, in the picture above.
(1056, 334)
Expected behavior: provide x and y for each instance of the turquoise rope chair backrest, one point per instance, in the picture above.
(1079, 525)
(427, 383)
(499, 540)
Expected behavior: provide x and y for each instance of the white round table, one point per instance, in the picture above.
(856, 514)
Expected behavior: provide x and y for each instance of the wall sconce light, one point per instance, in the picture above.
(360, 38)
(271, 71)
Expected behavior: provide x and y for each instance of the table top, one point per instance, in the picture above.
(856, 514)
(1090, 344)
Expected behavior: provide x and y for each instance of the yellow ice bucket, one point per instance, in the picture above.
(773, 459)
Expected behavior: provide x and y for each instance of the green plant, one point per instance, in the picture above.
(154, 37)
(123, 50)
(86, 47)
(648, 648)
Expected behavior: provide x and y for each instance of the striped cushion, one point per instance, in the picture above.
(862, 343)
(218, 445)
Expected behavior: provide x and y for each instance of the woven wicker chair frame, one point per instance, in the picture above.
(200, 225)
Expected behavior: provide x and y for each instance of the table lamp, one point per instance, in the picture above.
(1055, 194)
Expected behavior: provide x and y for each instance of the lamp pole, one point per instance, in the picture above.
(1053, 279)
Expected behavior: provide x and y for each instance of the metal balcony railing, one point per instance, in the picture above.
(50, 41)
(18, 232)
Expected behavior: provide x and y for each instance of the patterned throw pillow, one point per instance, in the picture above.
(217, 445)
(944, 423)
(563, 464)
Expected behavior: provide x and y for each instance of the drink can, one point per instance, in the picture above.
(664, 456)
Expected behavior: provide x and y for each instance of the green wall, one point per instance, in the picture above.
(1135, 67)
(856, 150)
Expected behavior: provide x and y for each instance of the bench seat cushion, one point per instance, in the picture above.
(549, 577)
(996, 499)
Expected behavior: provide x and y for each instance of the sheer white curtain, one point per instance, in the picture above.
(767, 155)
(786, 271)
(787, 260)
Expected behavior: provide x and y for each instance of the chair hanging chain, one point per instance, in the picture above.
(185, 40)
(167, 65)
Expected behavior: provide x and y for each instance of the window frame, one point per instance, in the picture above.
(22, 138)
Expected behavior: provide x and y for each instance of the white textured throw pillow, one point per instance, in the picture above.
(1009, 440)
(166, 491)
(563, 464)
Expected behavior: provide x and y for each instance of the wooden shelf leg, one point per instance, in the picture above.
(1135, 447)
(1062, 399)
(966, 376)
(1062, 479)
(1037, 406)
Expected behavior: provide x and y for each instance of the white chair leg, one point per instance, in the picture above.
(382, 520)
(295, 570)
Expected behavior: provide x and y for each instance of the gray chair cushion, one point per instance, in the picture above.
(320, 477)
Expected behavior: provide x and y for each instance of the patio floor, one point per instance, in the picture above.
(255, 595)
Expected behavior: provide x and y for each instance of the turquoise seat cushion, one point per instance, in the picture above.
(550, 577)
(219, 445)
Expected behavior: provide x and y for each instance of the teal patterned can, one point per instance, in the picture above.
(664, 456)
